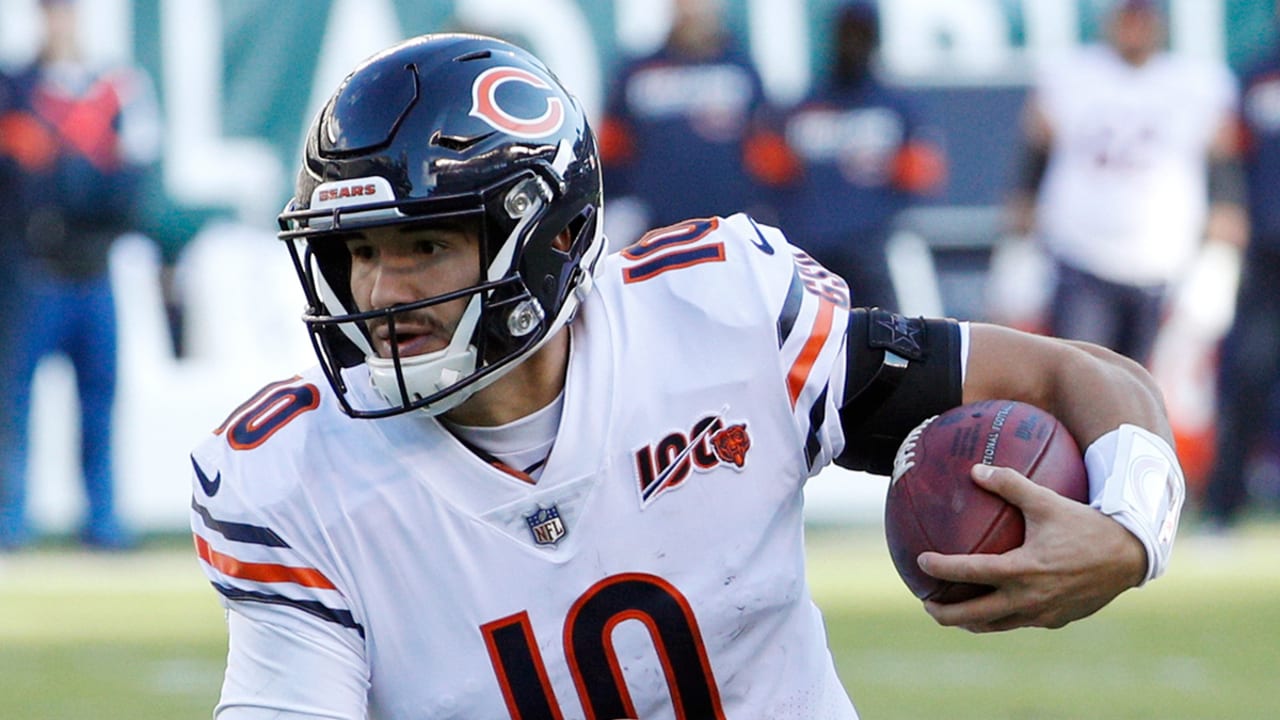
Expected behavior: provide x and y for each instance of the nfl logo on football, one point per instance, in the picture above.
(546, 526)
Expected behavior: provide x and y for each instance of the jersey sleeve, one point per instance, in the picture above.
(286, 602)
(283, 665)
(141, 134)
(247, 559)
(811, 317)
(1227, 90)
(1052, 77)
(807, 307)
(854, 381)
(741, 278)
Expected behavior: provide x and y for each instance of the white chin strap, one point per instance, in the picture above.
(429, 373)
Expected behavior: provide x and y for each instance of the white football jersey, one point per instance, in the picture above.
(655, 570)
(1124, 196)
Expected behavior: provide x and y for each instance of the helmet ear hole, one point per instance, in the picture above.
(564, 240)
(582, 226)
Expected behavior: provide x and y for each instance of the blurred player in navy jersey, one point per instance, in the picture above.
(864, 157)
(82, 138)
(687, 129)
(530, 480)
(1249, 374)
(1130, 163)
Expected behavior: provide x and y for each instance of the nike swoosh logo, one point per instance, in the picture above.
(763, 244)
(210, 487)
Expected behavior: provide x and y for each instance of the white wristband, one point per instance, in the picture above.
(1135, 478)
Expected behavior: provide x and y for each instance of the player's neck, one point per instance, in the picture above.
(527, 388)
(1137, 58)
(1134, 55)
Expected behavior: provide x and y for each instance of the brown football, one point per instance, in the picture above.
(933, 503)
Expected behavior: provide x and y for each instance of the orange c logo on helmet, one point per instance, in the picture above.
(484, 104)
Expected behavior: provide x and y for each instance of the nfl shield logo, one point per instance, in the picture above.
(546, 526)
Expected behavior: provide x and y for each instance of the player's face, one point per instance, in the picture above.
(60, 27)
(1136, 33)
(698, 22)
(393, 266)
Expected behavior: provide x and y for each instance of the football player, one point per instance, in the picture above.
(529, 480)
(686, 129)
(1249, 373)
(1130, 169)
(860, 139)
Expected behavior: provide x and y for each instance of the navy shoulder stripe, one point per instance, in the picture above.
(817, 416)
(790, 307)
(320, 610)
(239, 532)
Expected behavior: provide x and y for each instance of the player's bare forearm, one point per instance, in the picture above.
(1092, 390)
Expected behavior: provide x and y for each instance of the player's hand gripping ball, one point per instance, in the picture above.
(933, 503)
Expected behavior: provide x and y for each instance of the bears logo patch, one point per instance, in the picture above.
(668, 463)
(732, 443)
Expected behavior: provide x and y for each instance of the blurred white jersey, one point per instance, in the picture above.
(1125, 194)
(656, 569)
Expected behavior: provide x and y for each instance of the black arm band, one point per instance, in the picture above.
(1034, 162)
(900, 372)
(1226, 181)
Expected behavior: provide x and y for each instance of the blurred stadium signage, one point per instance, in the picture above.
(240, 79)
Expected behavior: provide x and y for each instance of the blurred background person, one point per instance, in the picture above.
(1249, 373)
(9, 239)
(685, 132)
(81, 139)
(863, 157)
(1122, 140)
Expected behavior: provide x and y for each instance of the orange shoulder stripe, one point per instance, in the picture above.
(800, 369)
(260, 572)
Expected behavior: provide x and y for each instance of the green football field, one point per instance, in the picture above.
(140, 636)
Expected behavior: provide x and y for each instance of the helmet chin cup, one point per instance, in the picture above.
(423, 376)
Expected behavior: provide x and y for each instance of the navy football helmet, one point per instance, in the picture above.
(447, 127)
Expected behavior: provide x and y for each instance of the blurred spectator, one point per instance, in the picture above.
(1126, 137)
(8, 229)
(863, 158)
(82, 139)
(9, 239)
(1249, 376)
(683, 133)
